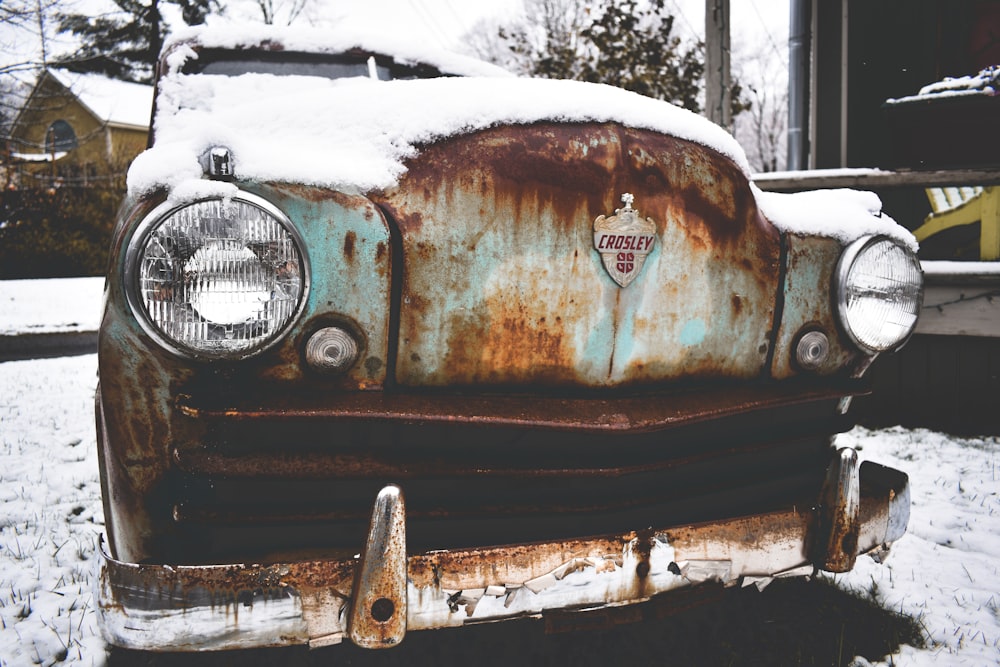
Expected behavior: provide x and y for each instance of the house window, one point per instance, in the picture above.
(60, 137)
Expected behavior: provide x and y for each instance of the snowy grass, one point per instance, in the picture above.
(52, 513)
(944, 574)
(945, 571)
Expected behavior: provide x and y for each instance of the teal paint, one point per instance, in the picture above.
(693, 333)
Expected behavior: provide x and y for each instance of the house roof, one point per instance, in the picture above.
(112, 101)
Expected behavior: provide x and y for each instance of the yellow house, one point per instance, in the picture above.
(78, 129)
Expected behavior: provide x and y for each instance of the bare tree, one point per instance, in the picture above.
(280, 11)
(24, 41)
(19, 13)
(625, 43)
(630, 44)
(24, 22)
(764, 73)
(545, 37)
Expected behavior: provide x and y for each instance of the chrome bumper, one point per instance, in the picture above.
(375, 598)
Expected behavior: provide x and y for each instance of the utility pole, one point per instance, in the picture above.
(799, 48)
(718, 85)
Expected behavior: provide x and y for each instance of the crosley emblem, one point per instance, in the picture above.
(624, 240)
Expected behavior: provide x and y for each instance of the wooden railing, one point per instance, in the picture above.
(872, 179)
(960, 298)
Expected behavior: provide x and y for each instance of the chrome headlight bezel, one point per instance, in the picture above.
(864, 340)
(132, 267)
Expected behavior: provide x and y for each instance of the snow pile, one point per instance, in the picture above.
(985, 83)
(50, 306)
(944, 269)
(841, 214)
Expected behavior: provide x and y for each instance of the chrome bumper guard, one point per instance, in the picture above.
(374, 599)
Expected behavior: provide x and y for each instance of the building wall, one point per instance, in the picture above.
(126, 143)
(868, 51)
(102, 152)
(891, 49)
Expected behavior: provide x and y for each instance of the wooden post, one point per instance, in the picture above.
(989, 230)
(718, 94)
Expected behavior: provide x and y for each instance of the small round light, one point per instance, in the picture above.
(331, 350)
(812, 350)
(879, 293)
(216, 278)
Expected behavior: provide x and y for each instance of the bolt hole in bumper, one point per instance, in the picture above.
(375, 598)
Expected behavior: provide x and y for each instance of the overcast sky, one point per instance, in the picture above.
(445, 21)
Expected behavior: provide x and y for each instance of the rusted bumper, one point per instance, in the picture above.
(375, 598)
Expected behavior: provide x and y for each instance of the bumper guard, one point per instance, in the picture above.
(374, 599)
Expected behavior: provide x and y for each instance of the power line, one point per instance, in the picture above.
(428, 18)
(454, 13)
(684, 18)
(770, 38)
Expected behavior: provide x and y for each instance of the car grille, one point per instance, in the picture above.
(254, 485)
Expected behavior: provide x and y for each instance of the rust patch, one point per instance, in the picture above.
(315, 194)
(509, 564)
(737, 302)
(349, 240)
(511, 342)
(758, 533)
(643, 548)
(524, 166)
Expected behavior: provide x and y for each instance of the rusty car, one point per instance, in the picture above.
(393, 341)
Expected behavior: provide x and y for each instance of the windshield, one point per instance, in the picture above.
(339, 66)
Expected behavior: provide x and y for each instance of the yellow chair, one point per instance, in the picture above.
(952, 207)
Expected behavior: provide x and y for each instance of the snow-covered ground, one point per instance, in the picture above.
(48, 306)
(945, 572)
(51, 516)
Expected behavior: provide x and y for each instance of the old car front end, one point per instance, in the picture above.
(522, 357)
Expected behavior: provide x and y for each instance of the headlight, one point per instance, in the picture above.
(879, 293)
(216, 278)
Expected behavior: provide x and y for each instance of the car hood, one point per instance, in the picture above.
(355, 135)
(509, 275)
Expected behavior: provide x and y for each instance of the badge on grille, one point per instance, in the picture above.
(624, 240)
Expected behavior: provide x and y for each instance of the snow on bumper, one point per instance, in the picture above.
(374, 599)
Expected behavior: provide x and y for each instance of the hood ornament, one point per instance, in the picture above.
(624, 240)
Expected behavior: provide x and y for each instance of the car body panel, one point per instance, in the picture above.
(497, 233)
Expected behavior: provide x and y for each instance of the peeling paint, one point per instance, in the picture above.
(232, 606)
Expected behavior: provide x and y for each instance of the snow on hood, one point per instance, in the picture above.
(841, 214)
(355, 134)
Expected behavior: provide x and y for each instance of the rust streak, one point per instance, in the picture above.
(349, 240)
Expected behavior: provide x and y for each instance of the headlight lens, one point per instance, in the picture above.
(879, 293)
(217, 278)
